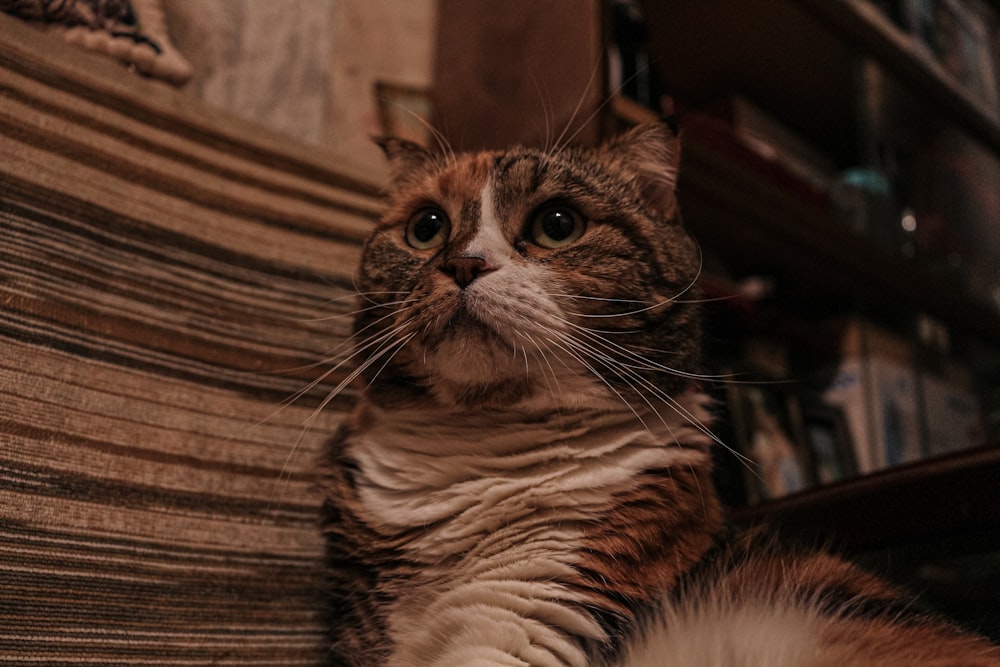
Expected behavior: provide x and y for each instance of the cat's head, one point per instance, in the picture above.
(498, 276)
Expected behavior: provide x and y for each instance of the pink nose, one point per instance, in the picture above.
(464, 270)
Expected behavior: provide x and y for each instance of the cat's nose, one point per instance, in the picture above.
(466, 269)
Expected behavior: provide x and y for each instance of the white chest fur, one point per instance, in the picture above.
(501, 501)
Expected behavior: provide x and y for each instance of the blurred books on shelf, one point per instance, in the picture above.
(899, 408)
(876, 385)
(774, 141)
(887, 401)
(961, 35)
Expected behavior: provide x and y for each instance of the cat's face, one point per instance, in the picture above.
(497, 276)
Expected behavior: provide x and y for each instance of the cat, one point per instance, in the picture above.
(526, 479)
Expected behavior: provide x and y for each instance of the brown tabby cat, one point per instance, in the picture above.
(526, 480)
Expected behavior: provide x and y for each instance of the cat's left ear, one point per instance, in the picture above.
(651, 154)
(406, 158)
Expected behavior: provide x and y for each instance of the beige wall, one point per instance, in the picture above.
(305, 67)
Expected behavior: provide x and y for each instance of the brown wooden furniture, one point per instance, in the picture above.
(500, 82)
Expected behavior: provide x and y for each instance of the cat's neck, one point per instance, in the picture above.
(505, 510)
(425, 464)
(437, 429)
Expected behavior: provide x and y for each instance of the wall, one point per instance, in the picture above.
(305, 67)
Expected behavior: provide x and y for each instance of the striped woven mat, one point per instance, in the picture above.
(169, 279)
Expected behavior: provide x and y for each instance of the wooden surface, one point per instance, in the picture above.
(799, 59)
(758, 224)
(775, 54)
(862, 25)
(760, 227)
(952, 502)
(519, 73)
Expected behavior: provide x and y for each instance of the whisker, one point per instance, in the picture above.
(600, 108)
(697, 274)
(596, 298)
(552, 372)
(642, 362)
(394, 346)
(380, 304)
(364, 294)
(636, 381)
(714, 299)
(547, 112)
(357, 350)
(392, 356)
(331, 355)
(630, 376)
(559, 145)
(626, 313)
(442, 142)
(566, 344)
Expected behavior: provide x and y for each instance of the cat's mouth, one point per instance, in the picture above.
(464, 315)
(491, 331)
(463, 322)
(470, 334)
(466, 342)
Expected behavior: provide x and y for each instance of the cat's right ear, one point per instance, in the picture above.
(651, 153)
(406, 158)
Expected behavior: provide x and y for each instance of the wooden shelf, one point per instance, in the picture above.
(759, 224)
(799, 61)
(776, 54)
(950, 501)
(866, 28)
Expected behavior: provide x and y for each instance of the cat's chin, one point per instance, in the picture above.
(472, 366)
(480, 359)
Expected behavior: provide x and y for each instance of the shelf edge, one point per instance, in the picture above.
(864, 25)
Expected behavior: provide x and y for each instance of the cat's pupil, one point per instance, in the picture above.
(558, 225)
(428, 226)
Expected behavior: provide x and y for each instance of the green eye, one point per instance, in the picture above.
(428, 228)
(556, 225)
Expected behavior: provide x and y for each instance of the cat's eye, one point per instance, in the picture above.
(556, 225)
(428, 228)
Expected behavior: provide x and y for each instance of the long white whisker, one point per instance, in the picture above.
(631, 377)
(545, 358)
(566, 344)
(697, 274)
(442, 142)
(374, 323)
(356, 293)
(392, 356)
(350, 342)
(641, 362)
(612, 364)
(394, 346)
(358, 349)
(648, 308)
(374, 306)
(559, 144)
(600, 108)
(634, 381)
(597, 298)
(546, 113)
(364, 294)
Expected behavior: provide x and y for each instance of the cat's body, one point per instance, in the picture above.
(527, 479)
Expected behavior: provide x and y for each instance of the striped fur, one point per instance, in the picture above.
(526, 480)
